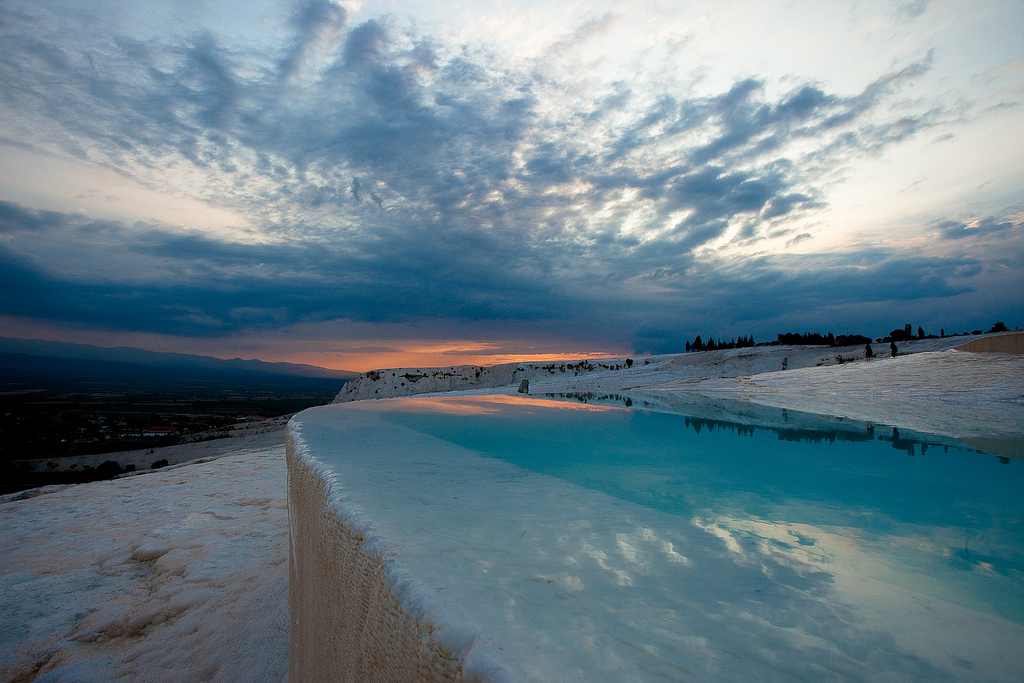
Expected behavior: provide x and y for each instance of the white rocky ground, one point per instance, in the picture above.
(181, 573)
(178, 574)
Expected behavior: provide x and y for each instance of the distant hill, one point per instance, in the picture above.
(33, 353)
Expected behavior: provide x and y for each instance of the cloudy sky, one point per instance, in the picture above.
(367, 183)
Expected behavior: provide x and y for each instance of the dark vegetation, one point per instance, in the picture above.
(818, 339)
(711, 345)
(584, 366)
(54, 407)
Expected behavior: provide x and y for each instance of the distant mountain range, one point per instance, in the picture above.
(39, 349)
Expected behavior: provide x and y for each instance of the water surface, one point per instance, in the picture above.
(916, 511)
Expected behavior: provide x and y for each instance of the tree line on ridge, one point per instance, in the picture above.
(818, 339)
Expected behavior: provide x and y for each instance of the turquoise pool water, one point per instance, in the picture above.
(915, 511)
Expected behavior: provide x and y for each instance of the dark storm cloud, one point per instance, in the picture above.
(23, 285)
(318, 22)
(989, 225)
(206, 83)
(427, 132)
(207, 285)
(14, 218)
(408, 180)
(365, 45)
(843, 294)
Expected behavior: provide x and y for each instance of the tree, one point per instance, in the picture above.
(901, 335)
(998, 327)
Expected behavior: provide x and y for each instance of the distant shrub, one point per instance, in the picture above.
(108, 470)
(998, 327)
(158, 464)
(901, 335)
(852, 340)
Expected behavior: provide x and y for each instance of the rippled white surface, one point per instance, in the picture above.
(176, 575)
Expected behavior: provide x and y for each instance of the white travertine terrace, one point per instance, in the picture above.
(617, 374)
(354, 629)
(1012, 342)
(503, 574)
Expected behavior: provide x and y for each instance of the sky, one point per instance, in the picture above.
(374, 184)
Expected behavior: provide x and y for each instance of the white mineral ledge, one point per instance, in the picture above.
(416, 559)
